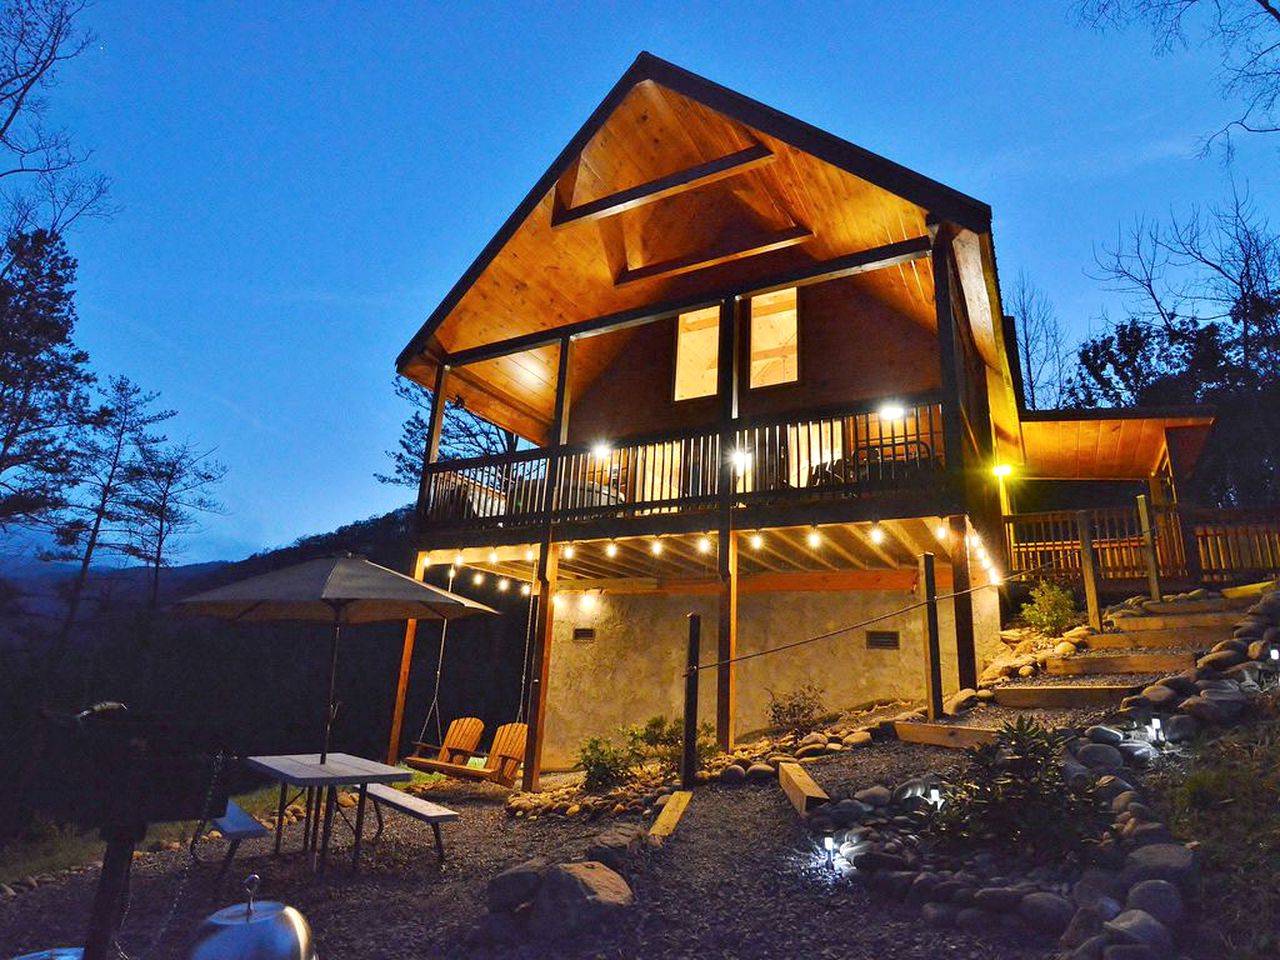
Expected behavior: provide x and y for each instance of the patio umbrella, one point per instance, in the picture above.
(340, 590)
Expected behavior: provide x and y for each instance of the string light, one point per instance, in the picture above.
(528, 555)
(704, 544)
(503, 583)
(478, 578)
(815, 538)
(610, 549)
(941, 532)
(756, 541)
(569, 551)
(656, 548)
(493, 556)
(458, 559)
(877, 534)
(525, 590)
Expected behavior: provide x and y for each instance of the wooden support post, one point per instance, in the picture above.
(1149, 546)
(727, 544)
(962, 603)
(402, 683)
(689, 757)
(727, 646)
(1089, 569)
(933, 645)
(435, 427)
(548, 566)
(1190, 545)
(952, 424)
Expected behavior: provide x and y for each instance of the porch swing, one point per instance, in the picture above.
(458, 745)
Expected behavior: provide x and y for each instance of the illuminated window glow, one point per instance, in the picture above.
(697, 353)
(775, 355)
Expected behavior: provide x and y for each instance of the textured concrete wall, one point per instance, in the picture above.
(633, 669)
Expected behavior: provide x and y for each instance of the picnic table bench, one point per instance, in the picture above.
(419, 809)
(236, 826)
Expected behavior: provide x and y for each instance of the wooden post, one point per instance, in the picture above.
(952, 424)
(548, 565)
(1089, 569)
(727, 646)
(933, 644)
(435, 427)
(962, 603)
(402, 683)
(689, 758)
(1149, 546)
(727, 544)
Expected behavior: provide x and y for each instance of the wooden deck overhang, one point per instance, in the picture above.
(1111, 444)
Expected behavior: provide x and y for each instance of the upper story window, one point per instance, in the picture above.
(775, 354)
(697, 353)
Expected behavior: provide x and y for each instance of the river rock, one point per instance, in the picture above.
(997, 899)
(1100, 756)
(1138, 926)
(1085, 924)
(939, 915)
(1138, 752)
(877, 796)
(1163, 861)
(1206, 711)
(1180, 729)
(759, 772)
(1160, 898)
(1046, 912)
(733, 774)
(1107, 735)
(1220, 660)
(516, 885)
(1162, 697)
(576, 895)
(859, 738)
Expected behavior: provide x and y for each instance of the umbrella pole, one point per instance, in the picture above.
(333, 681)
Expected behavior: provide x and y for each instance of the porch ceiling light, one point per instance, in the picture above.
(569, 551)
(941, 531)
(814, 538)
(877, 534)
(493, 556)
(892, 411)
(1002, 470)
(704, 544)
(528, 555)
(656, 548)
(601, 450)
(756, 541)
(610, 549)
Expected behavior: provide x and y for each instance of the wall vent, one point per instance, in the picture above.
(882, 640)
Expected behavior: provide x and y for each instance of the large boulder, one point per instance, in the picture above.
(1203, 710)
(1220, 660)
(516, 885)
(1046, 912)
(1160, 898)
(1138, 926)
(615, 846)
(1163, 861)
(576, 895)
(1100, 756)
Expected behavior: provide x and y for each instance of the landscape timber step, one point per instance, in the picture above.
(944, 734)
(1159, 607)
(670, 815)
(1193, 638)
(1169, 621)
(1024, 695)
(800, 788)
(1121, 663)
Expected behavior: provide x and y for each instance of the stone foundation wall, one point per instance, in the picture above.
(633, 668)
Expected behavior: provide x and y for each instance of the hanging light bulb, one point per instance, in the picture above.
(503, 583)
(611, 549)
(815, 538)
(877, 534)
(704, 544)
(493, 556)
(941, 532)
(656, 548)
(528, 555)
(756, 541)
(569, 551)
(458, 559)
(477, 578)
(525, 590)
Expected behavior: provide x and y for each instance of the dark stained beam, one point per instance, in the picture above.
(864, 261)
(663, 187)
(717, 254)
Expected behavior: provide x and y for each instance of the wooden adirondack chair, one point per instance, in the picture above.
(501, 766)
(460, 741)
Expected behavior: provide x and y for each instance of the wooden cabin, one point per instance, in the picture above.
(758, 372)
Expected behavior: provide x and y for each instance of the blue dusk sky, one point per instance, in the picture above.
(299, 184)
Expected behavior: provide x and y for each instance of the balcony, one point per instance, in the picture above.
(864, 455)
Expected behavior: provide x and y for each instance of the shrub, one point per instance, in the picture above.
(606, 764)
(800, 708)
(1014, 794)
(1051, 609)
(662, 740)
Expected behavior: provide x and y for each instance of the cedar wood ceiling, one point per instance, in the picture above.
(659, 121)
(1119, 444)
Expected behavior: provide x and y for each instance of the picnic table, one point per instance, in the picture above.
(320, 782)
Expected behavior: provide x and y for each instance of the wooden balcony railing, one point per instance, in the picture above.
(1190, 543)
(850, 454)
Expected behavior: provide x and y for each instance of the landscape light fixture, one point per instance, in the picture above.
(829, 845)
(611, 549)
(601, 450)
(893, 411)
(935, 798)
(1157, 733)
(1275, 654)
(815, 538)
(756, 541)
(704, 544)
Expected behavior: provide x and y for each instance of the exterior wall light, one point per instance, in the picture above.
(815, 538)
(457, 559)
(587, 602)
(611, 549)
(656, 548)
(601, 450)
(941, 532)
(741, 461)
(1002, 470)
(704, 544)
(528, 555)
(756, 541)
(877, 534)
(526, 589)
(892, 411)
(493, 556)
(569, 551)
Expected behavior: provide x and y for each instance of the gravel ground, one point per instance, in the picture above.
(739, 879)
(1085, 680)
(994, 715)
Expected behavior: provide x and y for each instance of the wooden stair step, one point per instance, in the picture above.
(1121, 663)
(1195, 638)
(800, 788)
(1158, 608)
(944, 734)
(1024, 695)
(1167, 621)
(670, 814)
